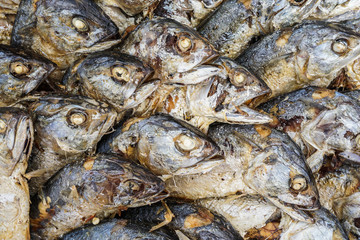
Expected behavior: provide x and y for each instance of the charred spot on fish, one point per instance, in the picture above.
(213, 88)
(76, 118)
(292, 124)
(120, 74)
(340, 46)
(80, 24)
(19, 69)
(297, 2)
(219, 102)
(357, 222)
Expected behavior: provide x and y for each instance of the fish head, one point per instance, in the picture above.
(70, 125)
(20, 74)
(169, 47)
(165, 145)
(336, 129)
(16, 137)
(221, 96)
(123, 183)
(131, 7)
(109, 76)
(327, 51)
(65, 26)
(335, 10)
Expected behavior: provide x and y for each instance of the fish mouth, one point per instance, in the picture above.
(160, 196)
(351, 156)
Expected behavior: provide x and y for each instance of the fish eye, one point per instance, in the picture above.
(76, 118)
(132, 186)
(239, 78)
(297, 2)
(120, 73)
(80, 24)
(184, 44)
(185, 143)
(2, 126)
(19, 69)
(340, 46)
(298, 183)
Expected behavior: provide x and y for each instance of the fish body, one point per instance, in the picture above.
(236, 23)
(8, 9)
(20, 74)
(310, 54)
(322, 121)
(173, 50)
(16, 137)
(164, 145)
(111, 77)
(193, 221)
(258, 160)
(67, 127)
(92, 190)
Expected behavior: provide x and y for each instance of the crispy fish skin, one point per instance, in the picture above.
(310, 54)
(321, 121)
(170, 48)
(235, 23)
(164, 145)
(258, 160)
(188, 12)
(8, 9)
(110, 77)
(67, 127)
(20, 74)
(194, 221)
(336, 10)
(117, 229)
(16, 135)
(92, 190)
(62, 31)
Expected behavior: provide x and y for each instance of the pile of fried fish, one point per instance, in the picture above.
(180, 119)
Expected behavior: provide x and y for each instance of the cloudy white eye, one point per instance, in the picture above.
(77, 118)
(185, 143)
(184, 44)
(340, 46)
(120, 73)
(80, 24)
(239, 78)
(19, 69)
(298, 183)
(2, 126)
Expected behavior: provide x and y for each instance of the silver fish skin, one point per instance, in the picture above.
(321, 121)
(61, 30)
(258, 160)
(173, 50)
(310, 54)
(195, 222)
(326, 227)
(220, 98)
(91, 190)
(16, 137)
(244, 212)
(335, 10)
(117, 229)
(67, 127)
(20, 74)
(236, 23)
(347, 209)
(187, 12)
(110, 77)
(164, 145)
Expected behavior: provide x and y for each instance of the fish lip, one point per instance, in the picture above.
(315, 206)
(160, 196)
(352, 156)
(210, 59)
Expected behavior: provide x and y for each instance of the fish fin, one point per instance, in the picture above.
(168, 218)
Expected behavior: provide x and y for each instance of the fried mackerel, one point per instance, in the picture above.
(89, 191)
(195, 222)
(176, 52)
(67, 127)
(115, 78)
(20, 74)
(119, 229)
(258, 160)
(236, 23)
(62, 31)
(16, 137)
(321, 121)
(220, 98)
(187, 12)
(164, 145)
(310, 54)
